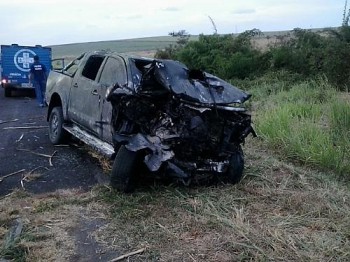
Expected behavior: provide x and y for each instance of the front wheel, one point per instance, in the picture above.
(56, 132)
(236, 166)
(124, 170)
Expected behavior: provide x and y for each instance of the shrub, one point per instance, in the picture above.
(225, 55)
(336, 66)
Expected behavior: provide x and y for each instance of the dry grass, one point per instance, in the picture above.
(104, 163)
(47, 220)
(279, 212)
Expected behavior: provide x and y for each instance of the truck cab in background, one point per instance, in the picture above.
(15, 65)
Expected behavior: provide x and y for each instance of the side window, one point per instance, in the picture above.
(92, 66)
(73, 66)
(114, 72)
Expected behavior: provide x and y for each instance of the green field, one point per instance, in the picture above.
(136, 45)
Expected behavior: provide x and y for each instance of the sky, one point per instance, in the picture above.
(53, 22)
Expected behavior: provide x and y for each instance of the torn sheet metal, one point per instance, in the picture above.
(156, 153)
(195, 85)
(182, 120)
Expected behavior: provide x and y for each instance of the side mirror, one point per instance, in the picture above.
(110, 91)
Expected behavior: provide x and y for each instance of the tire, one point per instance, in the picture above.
(56, 132)
(8, 92)
(124, 170)
(236, 166)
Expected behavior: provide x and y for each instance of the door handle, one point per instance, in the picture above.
(75, 85)
(94, 92)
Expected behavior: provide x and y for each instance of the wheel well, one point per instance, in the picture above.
(54, 101)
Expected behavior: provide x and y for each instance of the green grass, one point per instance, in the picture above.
(307, 122)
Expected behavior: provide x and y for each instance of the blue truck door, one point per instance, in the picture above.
(16, 62)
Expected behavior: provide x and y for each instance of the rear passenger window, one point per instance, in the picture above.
(114, 72)
(73, 66)
(92, 66)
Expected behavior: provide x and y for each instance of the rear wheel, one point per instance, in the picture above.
(236, 166)
(56, 132)
(8, 92)
(124, 170)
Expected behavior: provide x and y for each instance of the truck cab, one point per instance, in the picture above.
(149, 114)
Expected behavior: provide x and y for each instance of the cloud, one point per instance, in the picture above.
(171, 9)
(243, 11)
(136, 16)
(65, 21)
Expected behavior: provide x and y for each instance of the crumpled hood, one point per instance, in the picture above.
(195, 85)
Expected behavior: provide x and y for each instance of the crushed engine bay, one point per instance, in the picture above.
(184, 121)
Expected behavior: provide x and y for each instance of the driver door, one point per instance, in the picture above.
(85, 100)
(114, 71)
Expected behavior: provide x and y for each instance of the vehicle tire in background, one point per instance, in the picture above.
(236, 166)
(7, 92)
(57, 134)
(124, 170)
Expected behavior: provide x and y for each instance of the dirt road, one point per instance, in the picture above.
(25, 148)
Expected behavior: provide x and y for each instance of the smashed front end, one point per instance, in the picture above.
(185, 122)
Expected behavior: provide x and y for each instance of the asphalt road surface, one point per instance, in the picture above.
(25, 148)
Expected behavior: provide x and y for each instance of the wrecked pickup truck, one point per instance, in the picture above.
(177, 122)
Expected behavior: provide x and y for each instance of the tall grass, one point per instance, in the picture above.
(309, 122)
(340, 130)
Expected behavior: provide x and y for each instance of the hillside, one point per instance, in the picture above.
(138, 45)
(147, 46)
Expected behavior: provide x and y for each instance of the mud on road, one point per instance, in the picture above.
(25, 150)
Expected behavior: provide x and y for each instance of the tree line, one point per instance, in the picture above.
(305, 53)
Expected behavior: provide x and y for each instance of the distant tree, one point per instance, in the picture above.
(169, 52)
(182, 35)
(179, 33)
